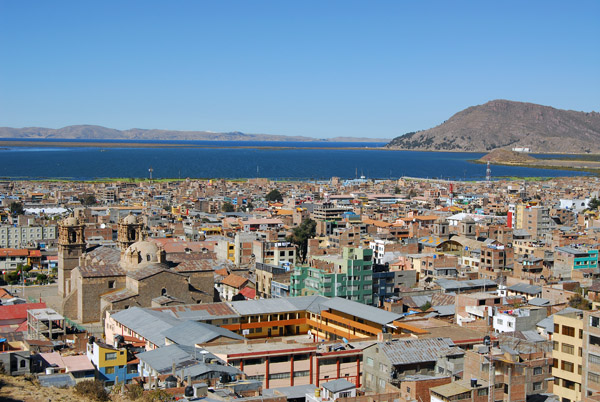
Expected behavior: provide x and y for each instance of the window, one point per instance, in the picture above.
(566, 348)
(595, 322)
(537, 370)
(593, 359)
(482, 392)
(567, 366)
(594, 340)
(111, 284)
(555, 345)
(537, 386)
(22, 363)
(382, 368)
(592, 377)
(369, 362)
(110, 356)
(568, 331)
(109, 370)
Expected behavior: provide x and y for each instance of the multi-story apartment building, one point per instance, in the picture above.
(569, 258)
(535, 219)
(567, 352)
(21, 236)
(328, 211)
(349, 276)
(265, 276)
(590, 378)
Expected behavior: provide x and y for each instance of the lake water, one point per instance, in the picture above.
(200, 161)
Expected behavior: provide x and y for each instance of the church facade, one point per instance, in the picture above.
(137, 273)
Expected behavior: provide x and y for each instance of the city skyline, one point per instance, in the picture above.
(317, 70)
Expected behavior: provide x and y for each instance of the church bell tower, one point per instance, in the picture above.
(71, 245)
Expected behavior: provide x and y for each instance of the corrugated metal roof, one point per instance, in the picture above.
(526, 288)
(410, 351)
(148, 323)
(190, 333)
(360, 310)
(279, 305)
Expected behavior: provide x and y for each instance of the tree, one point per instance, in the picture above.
(16, 208)
(41, 278)
(594, 203)
(273, 196)
(228, 207)
(578, 301)
(300, 236)
(89, 199)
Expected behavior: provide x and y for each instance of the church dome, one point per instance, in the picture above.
(148, 251)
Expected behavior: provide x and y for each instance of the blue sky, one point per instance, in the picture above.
(313, 68)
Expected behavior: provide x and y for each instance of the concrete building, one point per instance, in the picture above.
(266, 275)
(349, 276)
(385, 364)
(113, 365)
(590, 377)
(519, 319)
(25, 235)
(45, 324)
(567, 352)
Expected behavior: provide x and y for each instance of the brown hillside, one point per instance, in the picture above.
(507, 156)
(507, 124)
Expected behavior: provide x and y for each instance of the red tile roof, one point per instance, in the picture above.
(235, 281)
(248, 293)
(13, 252)
(17, 311)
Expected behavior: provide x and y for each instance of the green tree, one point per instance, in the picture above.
(594, 203)
(273, 196)
(16, 208)
(41, 278)
(228, 207)
(578, 301)
(88, 200)
(13, 277)
(300, 236)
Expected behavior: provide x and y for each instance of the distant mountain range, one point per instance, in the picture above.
(508, 124)
(88, 132)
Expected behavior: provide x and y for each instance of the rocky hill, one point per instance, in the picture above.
(508, 124)
(89, 132)
(506, 156)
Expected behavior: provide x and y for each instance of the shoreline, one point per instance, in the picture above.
(6, 144)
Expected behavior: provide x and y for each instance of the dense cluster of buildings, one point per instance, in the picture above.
(408, 290)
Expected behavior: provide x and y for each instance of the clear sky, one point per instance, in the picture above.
(317, 68)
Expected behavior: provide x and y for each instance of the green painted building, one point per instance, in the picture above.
(349, 275)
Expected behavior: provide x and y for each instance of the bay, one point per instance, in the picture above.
(216, 159)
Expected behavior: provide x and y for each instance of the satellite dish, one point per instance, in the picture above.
(103, 226)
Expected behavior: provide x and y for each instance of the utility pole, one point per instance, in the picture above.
(488, 173)
(150, 171)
